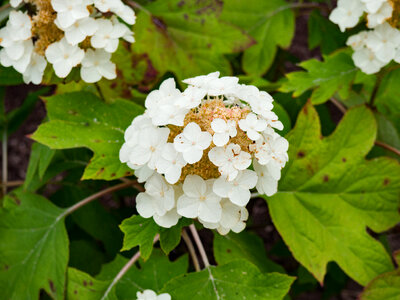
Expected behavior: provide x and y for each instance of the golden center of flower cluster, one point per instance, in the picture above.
(394, 21)
(209, 110)
(43, 27)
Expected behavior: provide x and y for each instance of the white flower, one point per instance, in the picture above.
(271, 148)
(383, 41)
(151, 295)
(125, 13)
(107, 35)
(379, 17)
(148, 150)
(237, 190)
(372, 6)
(191, 142)
(170, 163)
(233, 218)
(199, 200)
(18, 56)
(262, 105)
(19, 26)
(253, 126)
(347, 13)
(222, 131)
(357, 41)
(202, 81)
(366, 60)
(69, 11)
(143, 173)
(230, 160)
(78, 31)
(221, 86)
(132, 133)
(15, 3)
(266, 183)
(163, 105)
(192, 97)
(96, 64)
(158, 198)
(64, 57)
(34, 71)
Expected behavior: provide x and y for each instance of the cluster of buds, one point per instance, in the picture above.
(66, 34)
(373, 49)
(201, 151)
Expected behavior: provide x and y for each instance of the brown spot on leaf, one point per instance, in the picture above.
(97, 141)
(344, 159)
(159, 24)
(52, 287)
(300, 154)
(86, 124)
(305, 110)
(186, 17)
(90, 283)
(386, 181)
(84, 283)
(100, 171)
(75, 292)
(181, 3)
(128, 173)
(6, 267)
(228, 250)
(73, 112)
(113, 175)
(326, 178)
(54, 137)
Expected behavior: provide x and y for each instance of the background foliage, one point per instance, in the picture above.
(329, 232)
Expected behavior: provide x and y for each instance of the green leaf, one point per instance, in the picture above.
(186, 37)
(322, 32)
(335, 74)
(235, 280)
(33, 248)
(139, 231)
(152, 274)
(329, 194)
(81, 119)
(39, 161)
(385, 286)
(9, 76)
(271, 23)
(244, 245)
(171, 237)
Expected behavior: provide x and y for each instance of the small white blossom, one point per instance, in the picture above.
(34, 71)
(151, 295)
(233, 217)
(347, 13)
(68, 12)
(15, 3)
(383, 41)
(107, 35)
(192, 97)
(222, 131)
(170, 163)
(150, 143)
(202, 81)
(367, 61)
(237, 190)
(253, 126)
(19, 25)
(357, 41)
(163, 105)
(158, 199)
(64, 57)
(230, 160)
(18, 55)
(191, 142)
(199, 200)
(221, 86)
(143, 173)
(96, 64)
(266, 183)
(379, 17)
(262, 104)
(81, 29)
(372, 6)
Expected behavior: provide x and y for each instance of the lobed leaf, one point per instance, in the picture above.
(81, 119)
(329, 194)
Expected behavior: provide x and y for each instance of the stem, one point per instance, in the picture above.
(192, 252)
(4, 7)
(97, 195)
(339, 105)
(376, 89)
(200, 246)
(134, 4)
(13, 183)
(99, 91)
(387, 147)
(125, 269)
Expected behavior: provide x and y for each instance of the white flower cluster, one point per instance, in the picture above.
(65, 34)
(151, 295)
(194, 150)
(373, 49)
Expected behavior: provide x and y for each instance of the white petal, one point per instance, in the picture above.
(144, 205)
(188, 207)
